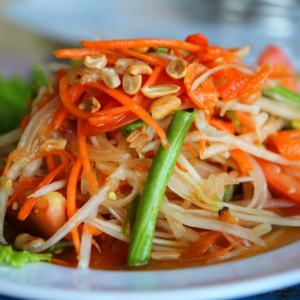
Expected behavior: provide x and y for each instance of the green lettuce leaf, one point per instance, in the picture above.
(19, 259)
(14, 95)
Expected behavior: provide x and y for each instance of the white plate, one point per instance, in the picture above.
(246, 277)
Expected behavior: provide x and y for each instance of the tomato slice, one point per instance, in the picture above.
(280, 181)
(288, 143)
(279, 61)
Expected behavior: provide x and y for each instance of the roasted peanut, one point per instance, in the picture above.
(25, 241)
(140, 49)
(177, 68)
(139, 70)
(124, 63)
(164, 106)
(110, 78)
(137, 137)
(132, 84)
(160, 90)
(53, 144)
(91, 105)
(95, 62)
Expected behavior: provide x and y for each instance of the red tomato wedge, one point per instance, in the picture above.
(288, 143)
(279, 61)
(280, 181)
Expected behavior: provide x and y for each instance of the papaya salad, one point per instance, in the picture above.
(173, 150)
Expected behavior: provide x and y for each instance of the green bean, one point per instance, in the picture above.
(161, 170)
(129, 128)
(131, 213)
(61, 245)
(282, 94)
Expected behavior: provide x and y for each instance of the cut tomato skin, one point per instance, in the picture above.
(287, 143)
(280, 181)
(279, 61)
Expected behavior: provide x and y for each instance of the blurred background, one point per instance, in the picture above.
(31, 29)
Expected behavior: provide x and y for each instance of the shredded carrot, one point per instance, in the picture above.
(71, 200)
(30, 180)
(191, 150)
(54, 152)
(137, 43)
(245, 119)
(30, 202)
(61, 262)
(242, 160)
(11, 157)
(221, 125)
(138, 168)
(59, 74)
(202, 145)
(85, 158)
(18, 192)
(149, 59)
(50, 163)
(110, 115)
(79, 54)
(142, 113)
(180, 53)
(92, 230)
(25, 121)
(178, 165)
(212, 255)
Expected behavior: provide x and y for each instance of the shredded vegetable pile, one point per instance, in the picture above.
(175, 147)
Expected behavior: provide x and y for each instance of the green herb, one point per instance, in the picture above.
(281, 94)
(161, 50)
(129, 128)
(131, 214)
(229, 192)
(39, 79)
(161, 170)
(19, 259)
(76, 62)
(14, 95)
(60, 245)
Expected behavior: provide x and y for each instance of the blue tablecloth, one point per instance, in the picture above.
(285, 294)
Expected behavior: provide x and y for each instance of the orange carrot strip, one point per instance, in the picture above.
(178, 165)
(191, 150)
(85, 158)
(212, 255)
(141, 112)
(202, 145)
(180, 53)
(136, 43)
(221, 125)
(151, 60)
(61, 262)
(30, 180)
(71, 107)
(59, 74)
(30, 202)
(110, 115)
(92, 230)
(25, 122)
(71, 200)
(19, 191)
(11, 157)
(242, 160)
(79, 54)
(75, 92)
(50, 163)
(54, 152)
(245, 119)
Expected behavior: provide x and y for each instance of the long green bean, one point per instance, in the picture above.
(161, 170)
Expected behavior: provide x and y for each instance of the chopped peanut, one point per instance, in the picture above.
(91, 105)
(139, 70)
(138, 137)
(140, 49)
(132, 84)
(110, 78)
(95, 62)
(25, 241)
(177, 68)
(164, 106)
(160, 90)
